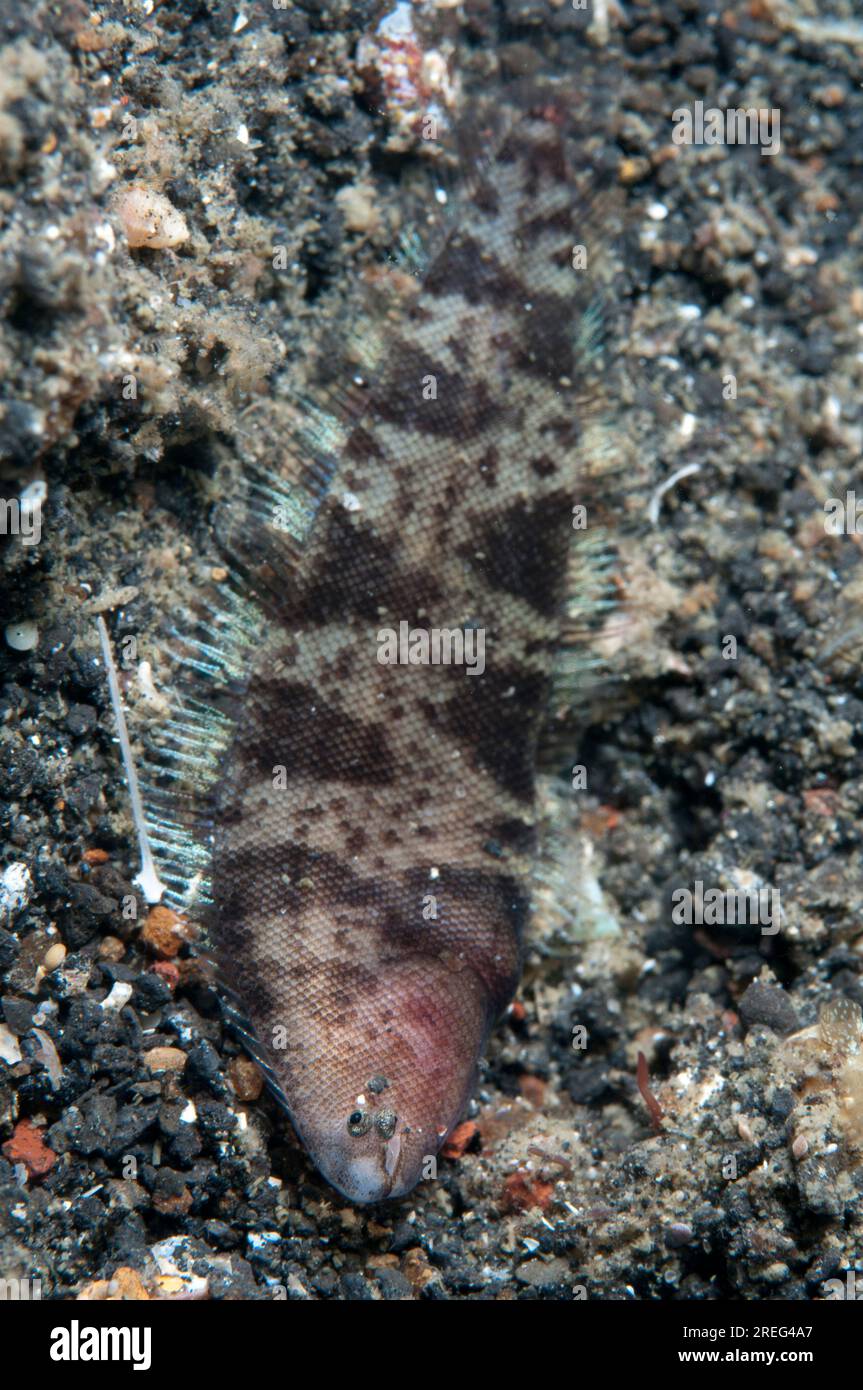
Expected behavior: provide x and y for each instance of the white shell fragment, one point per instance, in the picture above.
(121, 993)
(150, 219)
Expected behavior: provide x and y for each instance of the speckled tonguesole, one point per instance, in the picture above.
(371, 901)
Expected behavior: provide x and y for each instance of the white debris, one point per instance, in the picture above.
(259, 1240)
(147, 687)
(150, 219)
(656, 500)
(120, 995)
(818, 30)
(10, 1052)
(16, 885)
(796, 256)
(598, 27)
(32, 497)
(686, 428)
(174, 1258)
(49, 1057)
(22, 637)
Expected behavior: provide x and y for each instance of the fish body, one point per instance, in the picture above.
(375, 820)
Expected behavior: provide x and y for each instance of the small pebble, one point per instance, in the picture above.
(124, 1284)
(26, 1147)
(165, 1059)
(768, 1005)
(164, 931)
(95, 856)
(632, 170)
(150, 219)
(677, 1235)
(54, 956)
(544, 1274)
(246, 1079)
(111, 948)
(167, 971)
(112, 598)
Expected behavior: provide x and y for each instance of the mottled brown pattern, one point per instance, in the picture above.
(371, 909)
(297, 729)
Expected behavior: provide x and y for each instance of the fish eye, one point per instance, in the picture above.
(359, 1122)
(385, 1123)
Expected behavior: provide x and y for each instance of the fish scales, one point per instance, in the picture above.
(375, 824)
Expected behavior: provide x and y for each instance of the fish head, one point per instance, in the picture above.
(385, 1084)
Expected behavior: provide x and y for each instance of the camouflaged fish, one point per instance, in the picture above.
(374, 828)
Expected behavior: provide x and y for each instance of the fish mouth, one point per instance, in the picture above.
(364, 1180)
(367, 1178)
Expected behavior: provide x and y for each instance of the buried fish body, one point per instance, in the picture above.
(375, 822)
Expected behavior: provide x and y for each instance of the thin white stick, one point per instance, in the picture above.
(147, 880)
(656, 498)
(826, 30)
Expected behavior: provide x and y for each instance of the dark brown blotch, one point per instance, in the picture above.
(469, 268)
(494, 716)
(290, 725)
(524, 551)
(358, 574)
(460, 408)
